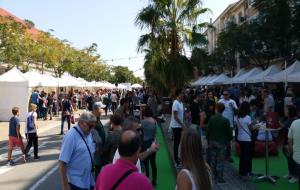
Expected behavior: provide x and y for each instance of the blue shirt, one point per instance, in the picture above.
(34, 97)
(76, 156)
(13, 123)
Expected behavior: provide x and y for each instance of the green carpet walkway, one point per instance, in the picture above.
(278, 167)
(166, 179)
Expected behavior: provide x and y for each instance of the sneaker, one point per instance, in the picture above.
(37, 157)
(293, 180)
(10, 162)
(288, 177)
(27, 156)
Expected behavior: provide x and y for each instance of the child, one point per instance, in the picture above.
(15, 138)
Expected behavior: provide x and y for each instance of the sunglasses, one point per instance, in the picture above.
(225, 94)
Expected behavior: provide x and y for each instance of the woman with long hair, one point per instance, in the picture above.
(244, 137)
(195, 174)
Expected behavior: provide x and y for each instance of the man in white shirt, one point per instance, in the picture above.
(230, 108)
(294, 145)
(177, 123)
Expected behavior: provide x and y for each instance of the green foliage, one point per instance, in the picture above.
(19, 47)
(123, 74)
(172, 25)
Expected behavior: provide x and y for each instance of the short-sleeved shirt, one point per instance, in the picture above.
(178, 107)
(294, 134)
(13, 123)
(244, 133)
(75, 154)
(230, 106)
(34, 97)
(111, 173)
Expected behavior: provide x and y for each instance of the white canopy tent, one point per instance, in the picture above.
(36, 79)
(284, 75)
(240, 73)
(208, 80)
(294, 77)
(221, 79)
(14, 92)
(197, 82)
(136, 86)
(243, 78)
(261, 77)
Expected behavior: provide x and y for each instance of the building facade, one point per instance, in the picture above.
(238, 12)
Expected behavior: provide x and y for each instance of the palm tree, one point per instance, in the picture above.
(173, 25)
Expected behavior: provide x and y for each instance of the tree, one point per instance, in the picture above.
(172, 26)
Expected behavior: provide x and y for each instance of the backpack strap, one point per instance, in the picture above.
(124, 176)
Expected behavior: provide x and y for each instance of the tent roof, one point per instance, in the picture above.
(136, 86)
(13, 75)
(269, 72)
(219, 80)
(249, 74)
(197, 82)
(283, 75)
(238, 74)
(294, 77)
(208, 80)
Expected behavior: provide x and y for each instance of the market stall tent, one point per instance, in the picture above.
(261, 77)
(197, 82)
(284, 75)
(243, 78)
(136, 86)
(14, 93)
(238, 74)
(221, 79)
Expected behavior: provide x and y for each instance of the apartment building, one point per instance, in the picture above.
(238, 12)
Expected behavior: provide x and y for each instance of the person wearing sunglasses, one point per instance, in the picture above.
(228, 113)
(76, 156)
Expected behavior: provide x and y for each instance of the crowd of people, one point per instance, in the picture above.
(234, 116)
(205, 123)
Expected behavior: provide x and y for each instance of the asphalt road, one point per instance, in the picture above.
(39, 174)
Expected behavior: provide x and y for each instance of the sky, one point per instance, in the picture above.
(109, 23)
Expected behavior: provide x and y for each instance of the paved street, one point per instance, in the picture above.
(33, 175)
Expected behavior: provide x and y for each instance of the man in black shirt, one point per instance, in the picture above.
(50, 105)
(196, 110)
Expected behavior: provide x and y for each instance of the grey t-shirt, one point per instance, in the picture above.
(13, 123)
(149, 129)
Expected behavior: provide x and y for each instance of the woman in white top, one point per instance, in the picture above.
(195, 174)
(244, 137)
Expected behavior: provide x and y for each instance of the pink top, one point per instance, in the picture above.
(111, 173)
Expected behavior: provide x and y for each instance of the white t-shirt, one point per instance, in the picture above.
(117, 157)
(228, 113)
(114, 98)
(178, 107)
(244, 133)
(294, 134)
(29, 115)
